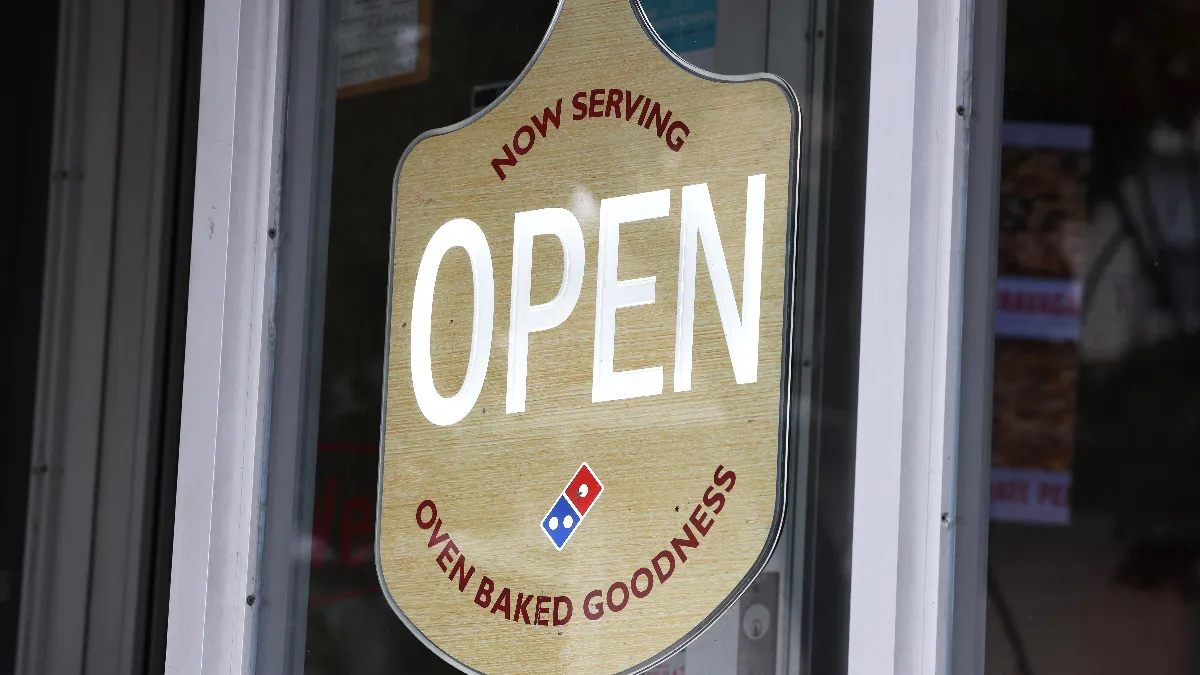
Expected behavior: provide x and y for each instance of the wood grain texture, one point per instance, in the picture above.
(493, 475)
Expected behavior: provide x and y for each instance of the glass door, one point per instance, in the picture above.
(384, 72)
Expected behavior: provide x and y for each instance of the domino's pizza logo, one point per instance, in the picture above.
(572, 505)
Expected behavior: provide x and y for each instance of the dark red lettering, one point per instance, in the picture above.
(714, 499)
(656, 118)
(521, 611)
(593, 612)
(502, 603)
(614, 103)
(446, 556)
(616, 607)
(508, 160)
(697, 519)
(690, 542)
(484, 597)
(676, 142)
(425, 525)
(562, 619)
(541, 611)
(577, 102)
(463, 579)
(527, 130)
(631, 105)
(645, 108)
(663, 576)
(722, 478)
(548, 118)
(633, 584)
(434, 537)
(596, 103)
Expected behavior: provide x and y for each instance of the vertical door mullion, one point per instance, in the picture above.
(910, 348)
(226, 381)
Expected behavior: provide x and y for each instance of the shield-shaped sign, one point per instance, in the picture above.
(587, 393)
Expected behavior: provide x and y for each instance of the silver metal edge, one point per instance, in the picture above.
(787, 432)
(966, 628)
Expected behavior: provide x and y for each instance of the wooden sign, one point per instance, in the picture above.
(587, 395)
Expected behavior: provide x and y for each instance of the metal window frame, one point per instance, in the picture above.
(920, 515)
(306, 186)
(968, 604)
(90, 563)
(79, 241)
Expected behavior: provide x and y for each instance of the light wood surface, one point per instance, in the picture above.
(494, 476)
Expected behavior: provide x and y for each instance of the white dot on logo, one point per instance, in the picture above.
(554, 522)
(568, 521)
(583, 490)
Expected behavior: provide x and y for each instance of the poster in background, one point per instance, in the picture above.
(689, 27)
(382, 44)
(1043, 210)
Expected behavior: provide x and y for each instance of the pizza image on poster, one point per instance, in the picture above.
(1043, 211)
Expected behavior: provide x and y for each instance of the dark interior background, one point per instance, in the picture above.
(28, 41)
(1116, 590)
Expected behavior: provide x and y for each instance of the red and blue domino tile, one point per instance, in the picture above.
(572, 506)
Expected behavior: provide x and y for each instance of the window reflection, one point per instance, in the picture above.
(1102, 213)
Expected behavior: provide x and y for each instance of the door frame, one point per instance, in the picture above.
(919, 536)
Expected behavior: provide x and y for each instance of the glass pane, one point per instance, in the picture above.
(1096, 432)
(27, 124)
(407, 66)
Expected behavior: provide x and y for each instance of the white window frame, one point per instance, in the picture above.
(925, 341)
(229, 326)
(918, 568)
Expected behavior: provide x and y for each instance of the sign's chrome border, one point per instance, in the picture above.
(788, 427)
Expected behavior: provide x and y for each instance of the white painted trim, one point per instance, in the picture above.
(226, 363)
(910, 342)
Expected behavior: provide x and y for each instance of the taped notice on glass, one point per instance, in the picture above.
(382, 43)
